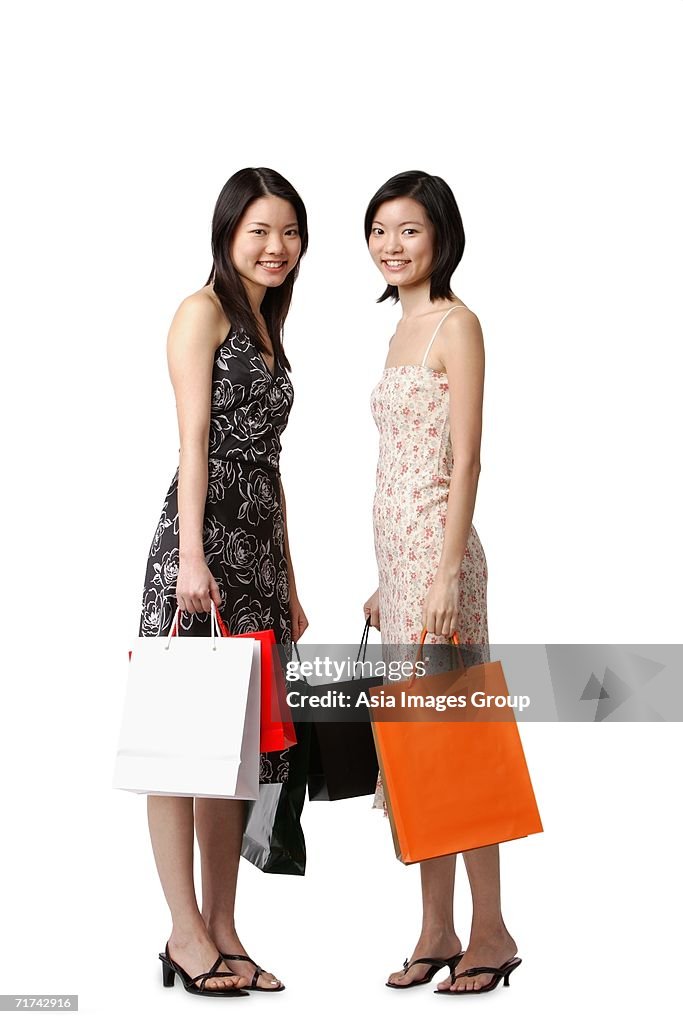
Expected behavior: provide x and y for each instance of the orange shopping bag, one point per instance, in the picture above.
(454, 779)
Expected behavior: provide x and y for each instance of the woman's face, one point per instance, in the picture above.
(401, 241)
(266, 244)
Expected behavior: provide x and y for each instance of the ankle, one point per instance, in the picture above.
(487, 933)
(224, 931)
(220, 923)
(435, 934)
(188, 933)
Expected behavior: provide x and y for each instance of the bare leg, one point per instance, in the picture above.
(171, 829)
(220, 826)
(437, 937)
(490, 941)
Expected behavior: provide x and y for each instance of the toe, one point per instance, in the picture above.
(225, 982)
(267, 980)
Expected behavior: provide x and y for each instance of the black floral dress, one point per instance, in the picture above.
(243, 517)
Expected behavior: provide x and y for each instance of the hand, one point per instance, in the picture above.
(299, 620)
(196, 586)
(371, 608)
(440, 608)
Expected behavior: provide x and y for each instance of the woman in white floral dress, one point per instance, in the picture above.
(431, 564)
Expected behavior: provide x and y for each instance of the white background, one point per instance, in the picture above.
(556, 125)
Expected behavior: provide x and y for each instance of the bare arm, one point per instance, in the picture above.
(290, 568)
(193, 338)
(461, 352)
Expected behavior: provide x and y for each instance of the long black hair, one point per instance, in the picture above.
(442, 210)
(238, 192)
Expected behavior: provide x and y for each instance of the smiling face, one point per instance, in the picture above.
(266, 244)
(401, 241)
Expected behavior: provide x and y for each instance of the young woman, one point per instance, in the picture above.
(222, 537)
(431, 564)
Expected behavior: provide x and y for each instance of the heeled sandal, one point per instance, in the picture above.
(435, 962)
(253, 986)
(504, 972)
(170, 968)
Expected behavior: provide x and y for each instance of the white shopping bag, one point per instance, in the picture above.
(192, 716)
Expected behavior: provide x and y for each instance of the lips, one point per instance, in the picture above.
(272, 264)
(395, 264)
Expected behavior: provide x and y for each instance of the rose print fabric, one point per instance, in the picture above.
(243, 518)
(410, 406)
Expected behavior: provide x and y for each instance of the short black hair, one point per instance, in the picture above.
(442, 210)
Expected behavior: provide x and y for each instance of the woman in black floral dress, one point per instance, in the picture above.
(222, 533)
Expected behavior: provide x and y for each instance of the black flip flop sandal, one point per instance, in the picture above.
(435, 962)
(504, 971)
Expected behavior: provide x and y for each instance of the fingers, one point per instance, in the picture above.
(428, 620)
(373, 612)
(214, 593)
(371, 608)
(446, 624)
(440, 622)
(301, 627)
(194, 602)
(185, 603)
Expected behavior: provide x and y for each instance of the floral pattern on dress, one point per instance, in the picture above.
(410, 406)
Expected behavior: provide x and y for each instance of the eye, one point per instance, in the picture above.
(412, 230)
(292, 231)
(257, 231)
(376, 231)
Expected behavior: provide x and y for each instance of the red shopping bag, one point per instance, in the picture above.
(277, 727)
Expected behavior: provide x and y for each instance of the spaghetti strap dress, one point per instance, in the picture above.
(410, 406)
(243, 527)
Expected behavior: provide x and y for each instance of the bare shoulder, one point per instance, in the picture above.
(199, 321)
(462, 319)
(460, 335)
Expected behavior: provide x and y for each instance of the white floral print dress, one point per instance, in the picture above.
(410, 406)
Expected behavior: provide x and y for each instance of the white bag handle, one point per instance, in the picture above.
(176, 622)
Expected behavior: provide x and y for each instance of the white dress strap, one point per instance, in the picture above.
(424, 357)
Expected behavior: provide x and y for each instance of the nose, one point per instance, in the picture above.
(274, 245)
(392, 246)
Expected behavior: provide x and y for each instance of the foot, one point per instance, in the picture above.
(444, 944)
(489, 951)
(227, 941)
(197, 954)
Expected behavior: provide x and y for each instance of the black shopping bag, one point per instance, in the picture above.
(273, 838)
(343, 762)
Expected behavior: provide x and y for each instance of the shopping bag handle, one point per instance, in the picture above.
(363, 648)
(454, 640)
(221, 625)
(216, 621)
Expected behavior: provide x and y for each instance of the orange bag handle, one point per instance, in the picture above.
(454, 640)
